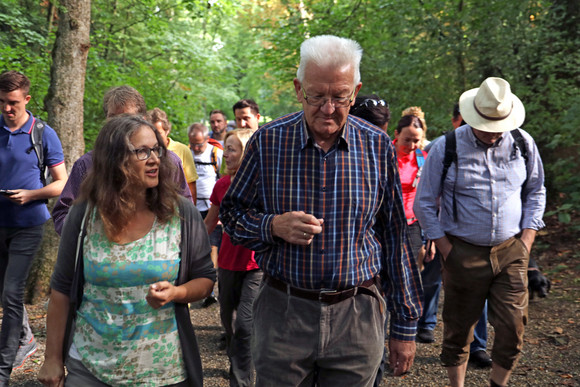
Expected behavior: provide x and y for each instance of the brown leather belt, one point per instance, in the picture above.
(325, 296)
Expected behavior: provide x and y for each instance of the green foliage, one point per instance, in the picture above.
(24, 46)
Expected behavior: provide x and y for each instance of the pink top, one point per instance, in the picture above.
(408, 170)
(234, 258)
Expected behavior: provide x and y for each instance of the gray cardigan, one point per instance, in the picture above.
(195, 263)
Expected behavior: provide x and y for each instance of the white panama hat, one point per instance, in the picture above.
(492, 107)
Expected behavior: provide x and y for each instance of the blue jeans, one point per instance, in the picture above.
(431, 278)
(18, 246)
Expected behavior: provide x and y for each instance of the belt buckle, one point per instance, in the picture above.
(328, 292)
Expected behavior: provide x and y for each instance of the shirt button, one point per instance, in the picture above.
(323, 189)
(322, 251)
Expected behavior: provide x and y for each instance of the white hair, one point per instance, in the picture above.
(330, 51)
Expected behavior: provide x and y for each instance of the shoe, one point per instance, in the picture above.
(222, 342)
(210, 300)
(424, 336)
(480, 359)
(24, 352)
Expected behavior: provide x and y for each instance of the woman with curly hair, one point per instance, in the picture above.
(133, 254)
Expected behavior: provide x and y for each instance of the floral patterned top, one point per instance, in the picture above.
(120, 338)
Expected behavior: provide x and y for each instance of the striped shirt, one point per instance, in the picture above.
(491, 205)
(354, 187)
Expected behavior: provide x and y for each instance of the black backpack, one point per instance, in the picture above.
(451, 157)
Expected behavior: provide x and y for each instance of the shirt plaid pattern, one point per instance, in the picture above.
(354, 187)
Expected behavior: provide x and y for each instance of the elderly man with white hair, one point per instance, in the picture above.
(318, 198)
(488, 181)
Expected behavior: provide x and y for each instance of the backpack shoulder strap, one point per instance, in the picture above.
(36, 138)
(419, 157)
(520, 143)
(450, 153)
(215, 143)
(214, 161)
(420, 161)
(449, 158)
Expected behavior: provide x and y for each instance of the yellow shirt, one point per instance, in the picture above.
(186, 157)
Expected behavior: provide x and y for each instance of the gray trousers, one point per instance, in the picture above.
(18, 247)
(237, 291)
(299, 342)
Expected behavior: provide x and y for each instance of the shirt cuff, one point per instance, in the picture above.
(534, 224)
(403, 330)
(266, 229)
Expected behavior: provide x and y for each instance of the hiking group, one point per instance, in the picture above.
(329, 242)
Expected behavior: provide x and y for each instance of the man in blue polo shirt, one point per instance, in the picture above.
(24, 212)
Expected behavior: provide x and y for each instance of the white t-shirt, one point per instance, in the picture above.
(207, 174)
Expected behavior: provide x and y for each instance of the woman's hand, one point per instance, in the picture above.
(160, 293)
(51, 373)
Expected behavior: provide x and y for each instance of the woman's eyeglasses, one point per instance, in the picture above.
(145, 153)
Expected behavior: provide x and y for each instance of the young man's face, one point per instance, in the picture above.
(218, 123)
(13, 104)
(246, 119)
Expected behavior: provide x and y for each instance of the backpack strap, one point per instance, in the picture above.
(215, 142)
(36, 139)
(214, 162)
(520, 143)
(420, 161)
(449, 158)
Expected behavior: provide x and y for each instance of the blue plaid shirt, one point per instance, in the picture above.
(354, 187)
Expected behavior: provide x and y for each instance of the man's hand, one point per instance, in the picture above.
(21, 196)
(160, 293)
(528, 237)
(401, 356)
(429, 252)
(296, 227)
(444, 246)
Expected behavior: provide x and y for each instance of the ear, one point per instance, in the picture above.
(298, 89)
(356, 90)
(27, 99)
(258, 117)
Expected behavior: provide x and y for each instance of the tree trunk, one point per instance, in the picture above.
(64, 104)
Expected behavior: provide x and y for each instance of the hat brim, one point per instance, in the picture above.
(473, 119)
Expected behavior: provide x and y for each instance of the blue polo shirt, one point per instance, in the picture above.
(19, 170)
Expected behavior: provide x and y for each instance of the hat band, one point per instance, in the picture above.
(493, 118)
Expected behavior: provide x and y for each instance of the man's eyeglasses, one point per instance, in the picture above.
(144, 153)
(321, 101)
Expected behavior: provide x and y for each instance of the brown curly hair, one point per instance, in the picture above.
(110, 185)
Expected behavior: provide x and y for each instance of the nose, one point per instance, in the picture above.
(328, 107)
(153, 158)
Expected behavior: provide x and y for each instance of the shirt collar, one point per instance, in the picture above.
(306, 139)
(26, 128)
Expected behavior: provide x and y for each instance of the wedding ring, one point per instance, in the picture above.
(305, 235)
